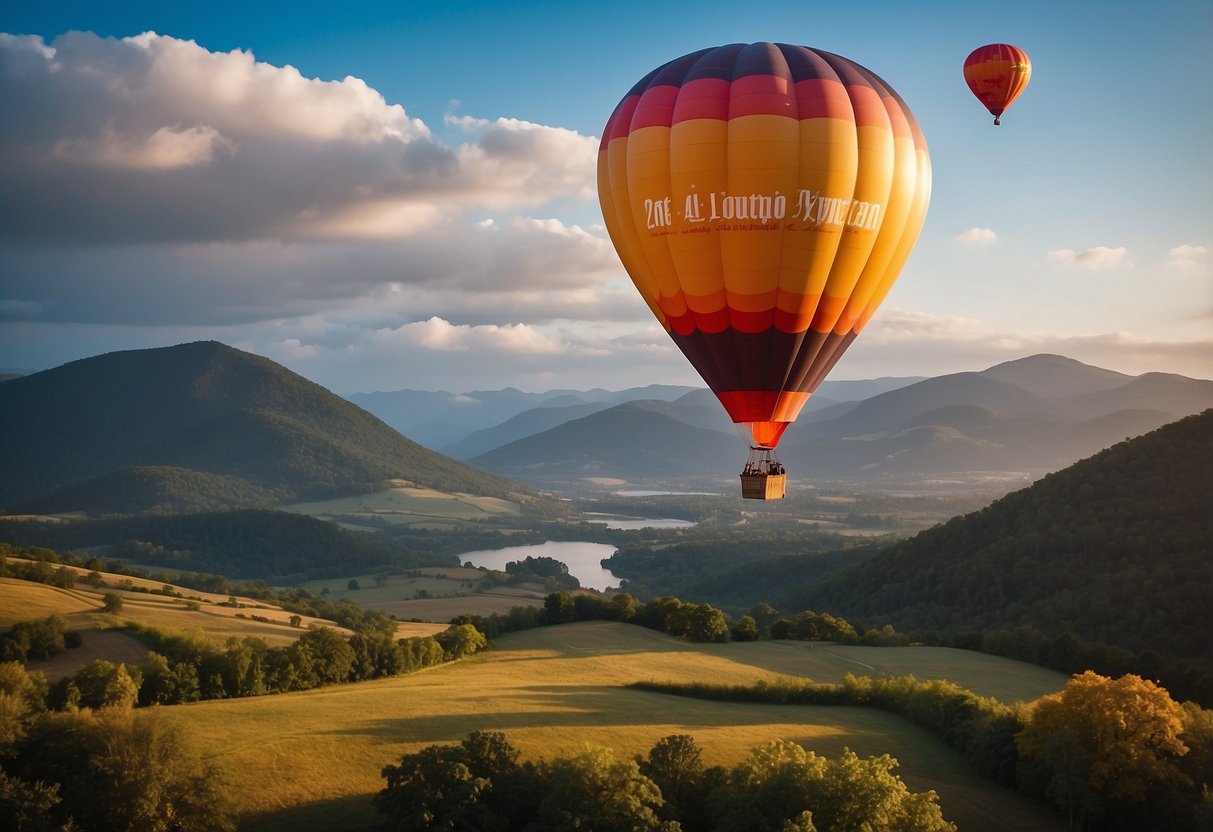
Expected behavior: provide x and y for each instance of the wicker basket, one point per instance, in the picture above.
(763, 486)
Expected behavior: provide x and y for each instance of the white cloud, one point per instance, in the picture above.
(977, 237)
(1099, 257)
(439, 335)
(156, 139)
(1188, 258)
(164, 149)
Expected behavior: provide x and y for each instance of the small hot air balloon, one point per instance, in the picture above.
(763, 198)
(997, 73)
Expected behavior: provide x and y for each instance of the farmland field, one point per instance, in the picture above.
(406, 504)
(430, 594)
(312, 760)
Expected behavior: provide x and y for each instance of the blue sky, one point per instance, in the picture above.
(391, 195)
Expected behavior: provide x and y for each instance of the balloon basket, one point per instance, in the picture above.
(764, 477)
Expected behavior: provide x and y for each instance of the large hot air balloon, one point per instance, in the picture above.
(763, 198)
(997, 73)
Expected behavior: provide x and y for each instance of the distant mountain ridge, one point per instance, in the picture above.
(199, 426)
(443, 420)
(1014, 421)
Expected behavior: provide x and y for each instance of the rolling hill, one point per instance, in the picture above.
(1115, 549)
(196, 427)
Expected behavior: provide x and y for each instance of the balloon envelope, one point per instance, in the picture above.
(997, 73)
(763, 198)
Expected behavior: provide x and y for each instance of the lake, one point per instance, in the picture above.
(582, 559)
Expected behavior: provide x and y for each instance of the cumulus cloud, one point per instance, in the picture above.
(977, 237)
(221, 191)
(153, 138)
(166, 148)
(442, 336)
(1099, 257)
(1188, 258)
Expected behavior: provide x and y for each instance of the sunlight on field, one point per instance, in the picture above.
(406, 504)
(314, 758)
(26, 601)
(430, 594)
(81, 606)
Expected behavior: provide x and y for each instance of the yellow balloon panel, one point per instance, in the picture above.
(771, 194)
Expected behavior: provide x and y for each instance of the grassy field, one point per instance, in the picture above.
(409, 505)
(198, 613)
(447, 591)
(312, 760)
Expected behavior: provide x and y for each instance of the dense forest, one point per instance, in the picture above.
(1115, 549)
(271, 545)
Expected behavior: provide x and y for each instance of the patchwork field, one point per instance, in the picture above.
(406, 504)
(312, 760)
(432, 594)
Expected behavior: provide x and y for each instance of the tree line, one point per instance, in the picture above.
(1112, 754)
(779, 787)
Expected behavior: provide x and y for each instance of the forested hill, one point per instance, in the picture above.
(1116, 549)
(140, 422)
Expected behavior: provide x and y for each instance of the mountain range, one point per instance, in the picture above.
(205, 427)
(1012, 422)
(463, 425)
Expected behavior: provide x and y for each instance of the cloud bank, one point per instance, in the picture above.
(153, 191)
(149, 182)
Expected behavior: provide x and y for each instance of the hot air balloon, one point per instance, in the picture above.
(997, 73)
(763, 198)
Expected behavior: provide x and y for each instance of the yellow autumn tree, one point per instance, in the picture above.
(1102, 738)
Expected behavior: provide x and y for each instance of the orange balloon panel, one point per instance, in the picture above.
(763, 197)
(997, 73)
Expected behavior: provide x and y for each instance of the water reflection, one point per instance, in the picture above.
(582, 559)
(618, 521)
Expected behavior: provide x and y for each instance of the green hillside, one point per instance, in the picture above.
(74, 436)
(1116, 549)
(274, 545)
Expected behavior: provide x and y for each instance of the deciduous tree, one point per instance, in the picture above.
(1114, 737)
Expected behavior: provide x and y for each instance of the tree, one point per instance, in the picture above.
(746, 629)
(327, 657)
(152, 775)
(675, 764)
(295, 620)
(1116, 738)
(622, 606)
(558, 608)
(781, 787)
(432, 789)
(111, 602)
(474, 785)
(104, 684)
(462, 641)
(28, 806)
(594, 790)
(352, 585)
(708, 624)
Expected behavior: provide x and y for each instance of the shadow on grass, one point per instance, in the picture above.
(355, 812)
(571, 708)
